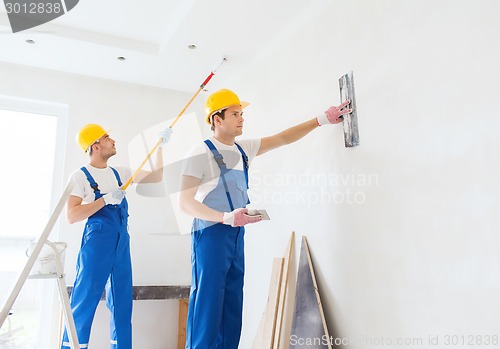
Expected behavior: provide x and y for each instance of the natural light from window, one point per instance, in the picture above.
(28, 148)
(28, 153)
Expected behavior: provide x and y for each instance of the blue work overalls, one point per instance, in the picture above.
(218, 265)
(104, 262)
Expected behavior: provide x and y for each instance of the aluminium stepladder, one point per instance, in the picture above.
(58, 274)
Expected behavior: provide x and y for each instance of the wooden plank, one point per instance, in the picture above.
(181, 329)
(283, 293)
(265, 335)
(309, 319)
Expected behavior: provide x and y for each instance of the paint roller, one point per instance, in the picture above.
(350, 123)
(202, 86)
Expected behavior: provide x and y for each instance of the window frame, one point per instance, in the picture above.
(50, 305)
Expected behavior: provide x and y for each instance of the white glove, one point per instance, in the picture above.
(165, 136)
(334, 114)
(239, 218)
(114, 197)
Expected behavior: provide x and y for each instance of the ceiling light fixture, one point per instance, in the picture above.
(121, 58)
(30, 41)
(192, 46)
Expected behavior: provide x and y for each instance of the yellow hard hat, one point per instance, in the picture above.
(88, 135)
(220, 100)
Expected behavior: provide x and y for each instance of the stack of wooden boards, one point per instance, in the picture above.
(307, 318)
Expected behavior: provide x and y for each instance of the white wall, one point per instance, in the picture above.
(160, 256)
(417, 257)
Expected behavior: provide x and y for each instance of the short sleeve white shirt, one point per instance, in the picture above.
(104, 177)
(200, 162)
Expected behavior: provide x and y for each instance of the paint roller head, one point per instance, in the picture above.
(224, 59)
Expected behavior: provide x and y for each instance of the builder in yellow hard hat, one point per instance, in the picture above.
(214, 192)
(104, 258)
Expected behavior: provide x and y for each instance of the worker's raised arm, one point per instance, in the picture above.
(287, 136)
(156, 175)
(333, 115)
(191, 206)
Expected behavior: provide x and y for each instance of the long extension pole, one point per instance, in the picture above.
(202, 86)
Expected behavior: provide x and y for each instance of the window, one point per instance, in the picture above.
(32, 145)
(28, 147)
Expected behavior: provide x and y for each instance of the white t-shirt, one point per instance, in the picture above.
(104, 177)
(200, 162)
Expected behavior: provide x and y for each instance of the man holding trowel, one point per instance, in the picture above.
(104, 257)
(214, 191)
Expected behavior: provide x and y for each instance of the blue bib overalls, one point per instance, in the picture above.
(104, 263)
(218, 265)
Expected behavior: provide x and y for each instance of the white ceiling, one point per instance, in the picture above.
(154, 36)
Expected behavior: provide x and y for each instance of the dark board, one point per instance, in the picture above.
(308, 331)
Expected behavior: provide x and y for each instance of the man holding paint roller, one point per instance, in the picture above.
(214, 192)
(104, 257)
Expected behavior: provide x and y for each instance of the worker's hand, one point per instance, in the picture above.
(334, 115)
(239, 218)
(114, 197)
(165, 136)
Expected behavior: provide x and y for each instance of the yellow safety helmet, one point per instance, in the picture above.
(88, 135)
(220, 100)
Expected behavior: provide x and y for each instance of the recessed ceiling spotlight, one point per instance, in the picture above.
(121, 58)
(192, 46)
(30, 41)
